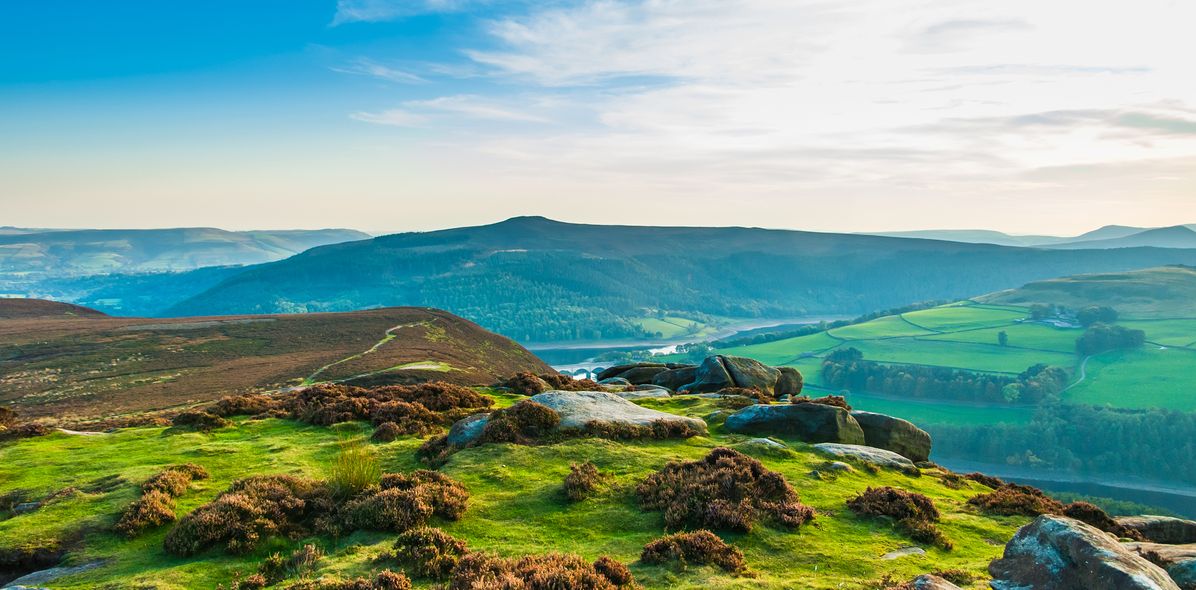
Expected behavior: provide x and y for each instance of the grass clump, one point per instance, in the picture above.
(725, 490)
(699, 547)
(915, 513)
(355, 468)
(384, 580)
(301, 563)
(552, 571)
(155, 507)
(429, 552)
(582, 480)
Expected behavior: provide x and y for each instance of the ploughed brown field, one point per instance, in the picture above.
(72, 363)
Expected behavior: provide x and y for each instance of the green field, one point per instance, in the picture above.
(516, 507)
(965, 335)
(671, 327)
(1144, 378)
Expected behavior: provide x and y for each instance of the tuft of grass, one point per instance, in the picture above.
(355, 468)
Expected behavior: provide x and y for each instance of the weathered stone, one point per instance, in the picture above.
(675, 379)
(467, 429)
(904, 552)
(1060, 553)
(873, 455)
(619, 370)
(746, 372)
(1161, 529)
(579, 407)
(49, 575)
(641, 375)
(653, 393)
(711, 376)
(932, 582)
(813, 423)
(616, 381)
(790, 382)
(894, 434)
(1179, 561)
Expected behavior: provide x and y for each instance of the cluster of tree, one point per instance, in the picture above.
(847, 369)
(1157, 444)
(1093, 314)
(1099, 338)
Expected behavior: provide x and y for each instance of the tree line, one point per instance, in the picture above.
(847, 369)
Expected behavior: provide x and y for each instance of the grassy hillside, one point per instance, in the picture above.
(537, 280)
(1153, 293)
(516, 506)
(84, 365)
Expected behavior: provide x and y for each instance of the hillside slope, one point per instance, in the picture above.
(1166, 292)
(1179, 236)
(535, 279)
(71, 367)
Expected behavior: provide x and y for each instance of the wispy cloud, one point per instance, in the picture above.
(393, 117)
(366, 67)
(351, 11)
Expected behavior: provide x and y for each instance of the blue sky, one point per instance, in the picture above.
(847, 115)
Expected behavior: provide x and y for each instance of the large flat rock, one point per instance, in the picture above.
(1060, 553)
(579, 407)
(1178, 560)
(813, 423)
(1161, 529)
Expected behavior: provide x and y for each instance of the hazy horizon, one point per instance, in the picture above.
(848, 116)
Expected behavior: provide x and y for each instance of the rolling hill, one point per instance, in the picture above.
(1153, 293)
(536, 279)
(60, 360)
(38, 253)
(1178, 236)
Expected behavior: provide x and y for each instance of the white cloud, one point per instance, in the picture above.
(929, 99)
(393, 117)
(366, 67)
(351, 11)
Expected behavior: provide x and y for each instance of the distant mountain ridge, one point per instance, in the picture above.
(536, 279)
(1178, 236)
(1104, 237)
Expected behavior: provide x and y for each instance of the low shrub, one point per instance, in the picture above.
(25, 430)
(553, 571)
(407, 417)
(387, 432)
(522, 423)
(1012, 499)
(302, 562)
(985, 480)
(957, 576)
(153, 509)
(251, 510)
(175, 480)
(582, 480)
(657, 430)
(243, 405)
(429, 552)
(525, 384)
(1093, 515)
(724, 490)
(953, 480)
(388, 580)
(564, 382)
(699, 547)
(754, 393)
(915, 513)
(448, 497)
(384, 580)
(199, 420)
(8, 416)
(830, 400)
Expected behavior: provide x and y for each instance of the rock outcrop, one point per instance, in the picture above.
(1060, 553)
(1161, 529)
(894, 434)
(637, 373)
(814, 423)
(1179, 561)
(579, 407)
(875, 456)
(721, 372)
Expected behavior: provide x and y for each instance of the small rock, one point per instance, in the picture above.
(839, 466)
(616, 381)
(467, 429)
(49, 575)
(875, 456)
(903, 552)
(1060, 553)
(765, 442)
(24, 507)
(932, 582)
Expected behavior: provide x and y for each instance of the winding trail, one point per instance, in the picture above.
(386, 337)
(1083, 374)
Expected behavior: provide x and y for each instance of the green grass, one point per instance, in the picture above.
(676, 327)
(975, 357)
(1166, 332)
(516, 506)
(964, 317)
(1021, 336)
(1145, 378)
(886, 327)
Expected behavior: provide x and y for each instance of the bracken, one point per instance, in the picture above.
(429, 552)
(699, 547)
